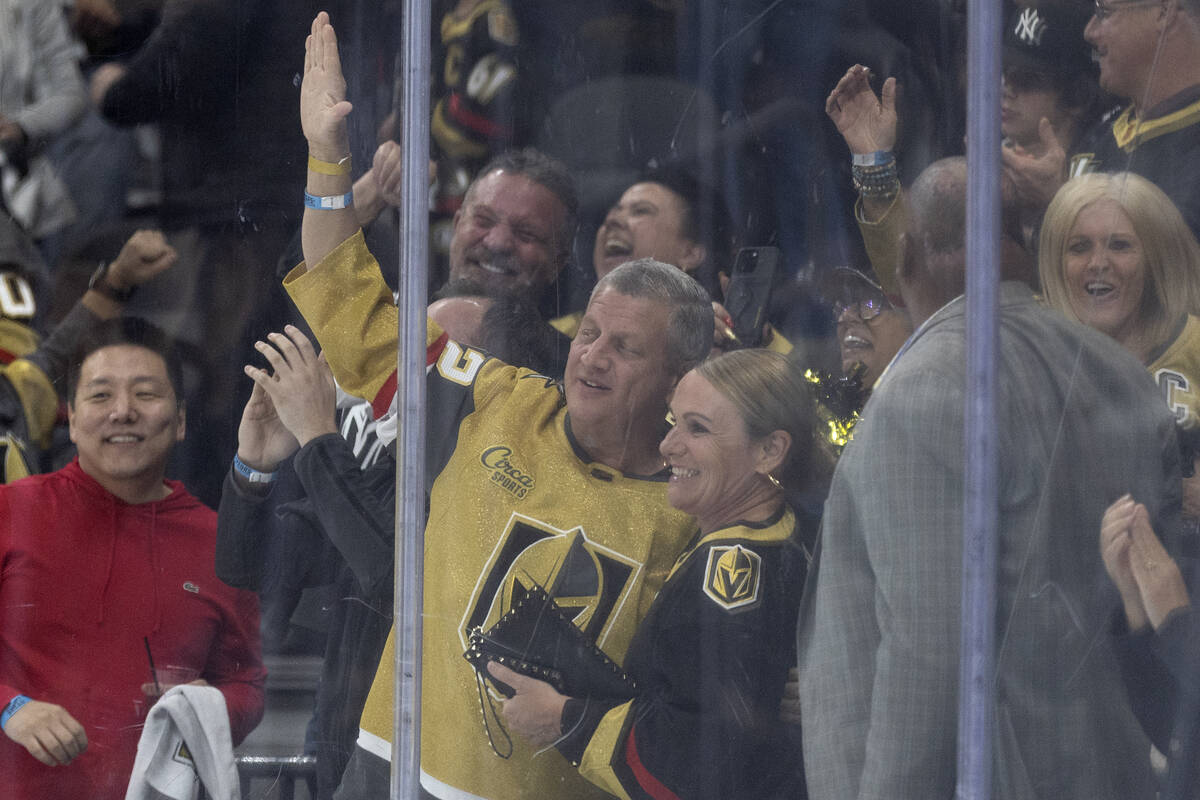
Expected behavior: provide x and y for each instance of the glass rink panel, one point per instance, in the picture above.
(808, 403)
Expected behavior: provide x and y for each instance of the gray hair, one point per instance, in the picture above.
(690, 327)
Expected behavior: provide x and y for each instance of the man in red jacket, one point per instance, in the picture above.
(101, 562)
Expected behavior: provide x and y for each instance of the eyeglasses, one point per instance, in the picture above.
(1105, 10)
(867, 308)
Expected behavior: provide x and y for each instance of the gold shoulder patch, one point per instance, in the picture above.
(1081, 164)
(14, 464)
(732, 576)
(502, 27)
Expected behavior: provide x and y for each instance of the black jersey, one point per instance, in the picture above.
(710, 661)
(1165, 150)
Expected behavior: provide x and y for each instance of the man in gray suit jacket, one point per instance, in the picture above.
(1080, 423)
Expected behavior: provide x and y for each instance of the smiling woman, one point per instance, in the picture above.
(711, 655)
(1116, 254)
(650, 220)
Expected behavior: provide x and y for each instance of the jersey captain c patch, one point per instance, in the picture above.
(732, 576)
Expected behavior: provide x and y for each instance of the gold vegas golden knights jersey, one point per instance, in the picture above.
(513, 502)
(1177, 372)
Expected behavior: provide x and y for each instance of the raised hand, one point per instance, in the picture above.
(1036, 172)
(263, 439)
(381, 185)
(144, 255)
(535, 711)
(323, 104)
(867, 122)
(48, 732)
(301, 387)
(387, 167)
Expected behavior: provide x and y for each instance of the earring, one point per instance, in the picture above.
(774, 481)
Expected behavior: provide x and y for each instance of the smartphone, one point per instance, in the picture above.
(749, 290)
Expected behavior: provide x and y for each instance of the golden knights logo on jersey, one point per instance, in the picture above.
(586, 580)
(732, 576)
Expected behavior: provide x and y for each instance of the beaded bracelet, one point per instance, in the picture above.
(881, 181)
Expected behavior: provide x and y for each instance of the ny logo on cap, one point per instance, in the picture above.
(1030, 28)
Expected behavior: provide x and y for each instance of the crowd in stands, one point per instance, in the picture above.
(695, 397)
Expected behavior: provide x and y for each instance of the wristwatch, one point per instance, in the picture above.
(99, 283)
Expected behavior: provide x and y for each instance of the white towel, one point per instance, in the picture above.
(186, 740)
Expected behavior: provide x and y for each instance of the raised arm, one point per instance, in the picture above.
(323, 110)
(355, 509)
(1115, 545)
(36, 377)
(299, 385)
(1158, 647)
(378, 187)
(1036, 172)
(866, 121)
(868, 124)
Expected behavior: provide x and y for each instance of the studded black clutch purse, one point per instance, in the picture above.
(536, 638)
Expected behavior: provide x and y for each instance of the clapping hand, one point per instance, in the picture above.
(289, 406)
(1036, 172)
(263, 439)
(1148, 579)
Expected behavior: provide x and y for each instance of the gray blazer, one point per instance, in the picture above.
(1080, 423)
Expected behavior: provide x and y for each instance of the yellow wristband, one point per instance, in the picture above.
(329, 167)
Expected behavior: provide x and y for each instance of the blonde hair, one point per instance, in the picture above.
(1170, 252)
(769, 392)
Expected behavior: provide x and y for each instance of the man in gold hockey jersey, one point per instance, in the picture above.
(529, 482)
